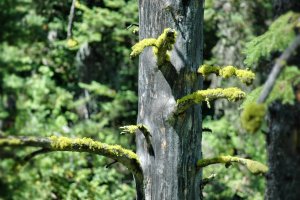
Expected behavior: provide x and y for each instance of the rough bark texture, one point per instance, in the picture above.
(171, 173)
(283, 139)
(283, 146)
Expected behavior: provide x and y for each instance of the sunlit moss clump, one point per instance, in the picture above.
(72, 43)
(161, 46)
(246, 76)
(138, 48)
(252, 116)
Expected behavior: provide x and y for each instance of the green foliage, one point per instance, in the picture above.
(48, 88)
(228, 26)
(283, 88)
(226, 139)
(277, 38)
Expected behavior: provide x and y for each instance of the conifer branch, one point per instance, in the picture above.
(253, 166)
(277, 68)
(253, 113)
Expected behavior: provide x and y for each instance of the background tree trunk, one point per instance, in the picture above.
(283, 139)
(283, 146)
(171, 173)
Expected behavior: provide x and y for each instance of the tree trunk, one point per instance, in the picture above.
(283, 139)
(283, 146)
(171, 173)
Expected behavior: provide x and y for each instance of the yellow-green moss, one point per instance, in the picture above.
(62, 143)
(231, 94)
(253, 166)
(129, 129)
(245, 76)
(133, 128)
(138, 48)
(256, 167)
(227, 71)
(164, 43)
(10, 141)
(252, 116)
(161, 46)
(206, 70)
(72, 43)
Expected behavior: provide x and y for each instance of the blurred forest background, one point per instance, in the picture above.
(85, 85)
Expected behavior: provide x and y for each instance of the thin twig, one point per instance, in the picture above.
(71, 19)
(110, 164)
(35, 153)
(279, 64)
(206, 130)
(207, 180)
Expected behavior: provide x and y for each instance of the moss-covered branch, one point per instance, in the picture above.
(253, 166)
(231, 94)
(161, 46)
(54, 143)
(246, 76)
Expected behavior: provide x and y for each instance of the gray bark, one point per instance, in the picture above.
(283, 146)
(171, 173)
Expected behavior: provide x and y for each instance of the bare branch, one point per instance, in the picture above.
(110, 164)
(253, 166)
(279, 64)
(35, 153)
(71, 19)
